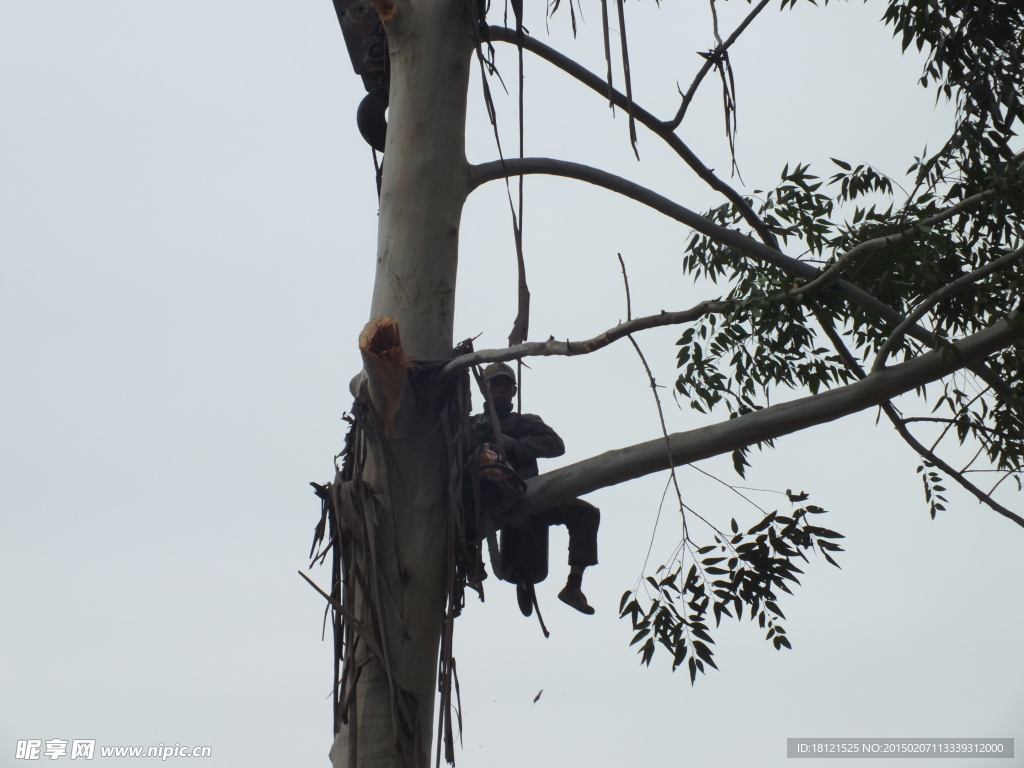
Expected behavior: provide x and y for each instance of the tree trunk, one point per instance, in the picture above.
(426, 176)
(424, 186)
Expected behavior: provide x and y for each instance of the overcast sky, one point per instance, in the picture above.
(187, 238)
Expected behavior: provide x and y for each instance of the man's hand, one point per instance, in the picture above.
(508, 446)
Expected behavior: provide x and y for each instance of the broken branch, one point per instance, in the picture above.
(386, 362)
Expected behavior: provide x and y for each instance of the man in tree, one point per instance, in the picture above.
(524, 439)
(824, 290)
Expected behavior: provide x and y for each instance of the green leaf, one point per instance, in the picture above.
(625, 597)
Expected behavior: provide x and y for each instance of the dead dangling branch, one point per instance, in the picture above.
(363, 605)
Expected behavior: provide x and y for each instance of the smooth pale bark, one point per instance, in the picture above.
(426, 176)
(424, 186)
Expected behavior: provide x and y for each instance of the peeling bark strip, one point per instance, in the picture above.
(367, 617)
(375, 589)
(400, 537)
(386, 363)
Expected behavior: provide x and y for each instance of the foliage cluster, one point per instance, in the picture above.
(962, 213)
(737, 572)
(913, 250)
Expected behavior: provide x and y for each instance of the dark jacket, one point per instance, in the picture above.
(528, 438)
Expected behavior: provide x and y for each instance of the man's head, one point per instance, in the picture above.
(501, 382)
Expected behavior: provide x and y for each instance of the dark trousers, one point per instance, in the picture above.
(582, 521)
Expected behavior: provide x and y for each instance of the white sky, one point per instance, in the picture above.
(187, 225)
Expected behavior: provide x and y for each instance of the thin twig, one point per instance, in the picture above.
(761, 490)
(947, 290)
(954, 422)
(1008, 474)
(897, 422)
(570, 348)
(733, 488)
(714, 23)
(650, 545)
(625, 280)
(974, 458)
(657, 400)
(709, 61)
(831, 274)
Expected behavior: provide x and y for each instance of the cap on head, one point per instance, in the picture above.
(494, 370)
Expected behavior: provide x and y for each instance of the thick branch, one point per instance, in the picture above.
(569, 348)
(498, 169)
(660, 128)
(901, 427)
(775, 421)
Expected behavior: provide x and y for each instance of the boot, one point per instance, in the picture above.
(572, 594)
(574, 597)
